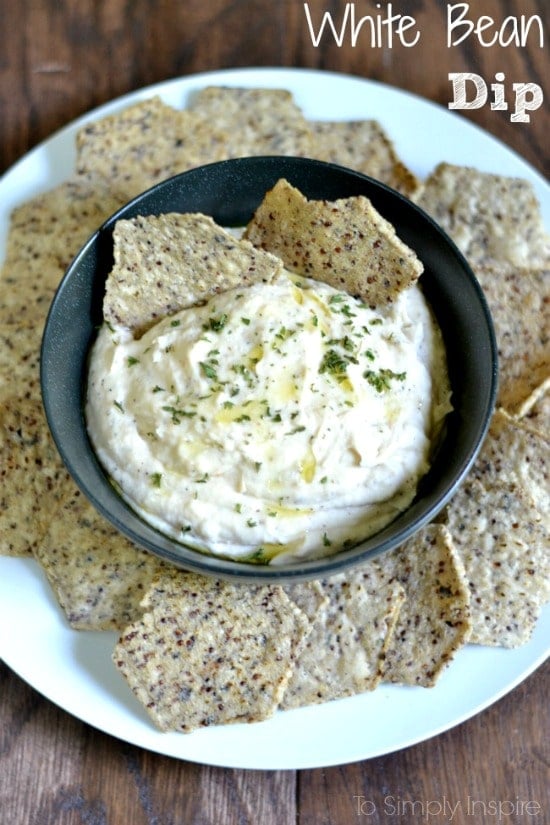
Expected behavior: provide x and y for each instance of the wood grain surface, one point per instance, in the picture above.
(60, 58)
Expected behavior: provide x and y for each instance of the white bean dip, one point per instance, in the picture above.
(275, 422)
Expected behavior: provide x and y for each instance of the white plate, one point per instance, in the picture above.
(74, 669)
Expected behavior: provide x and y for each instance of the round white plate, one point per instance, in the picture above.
(74, 670)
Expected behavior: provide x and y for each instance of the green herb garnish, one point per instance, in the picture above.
(178, 414)
(381, 380)
(216, 324)
(208, 370)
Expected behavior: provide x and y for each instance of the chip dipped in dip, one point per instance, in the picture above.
(274, 422)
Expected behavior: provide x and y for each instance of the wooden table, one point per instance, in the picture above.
(58, 60)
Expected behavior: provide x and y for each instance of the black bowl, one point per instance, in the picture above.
(230, 191)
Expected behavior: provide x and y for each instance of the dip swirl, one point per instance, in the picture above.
(274, 422)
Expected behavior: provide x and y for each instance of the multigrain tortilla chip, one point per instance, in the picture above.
(434, 620)
(45, 233)
(257, 121)
(97, 575)
(345, 243)
(19, 361)
(208, 652)
(57, 222)
(147, 142)
(536, 410)
(169, 262)
(506, 555)
(514, 454)
(343, 654)
(32, 477)
(491, 218)
(23, 299)
(519, 300)
(364, 146)
(309, 596)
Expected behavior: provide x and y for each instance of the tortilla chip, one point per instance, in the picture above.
(519, 300)
(32, 476)
(434, 621)
(257, 121)
(22, 301)
(345, 243)
(19, 361)
(513, 454)
(491, 218)
(146, 143)
(308, 596)
(505, 552)
(97, 575)
(364, 146)
(168, 262)
(44, 236)
(343, 654)
(208, 652)
(535, 414)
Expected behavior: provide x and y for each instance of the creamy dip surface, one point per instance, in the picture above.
(275, 422)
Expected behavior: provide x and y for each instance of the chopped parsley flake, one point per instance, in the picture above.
(346, 343)
(216, 324)
(283, 334)
(258, 557)
(240, 369)
(336, 364)
(178, 414)
(346, 310)
(208, 370)
(336, 303)
(381, 380)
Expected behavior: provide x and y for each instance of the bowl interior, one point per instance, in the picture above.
(230, 191)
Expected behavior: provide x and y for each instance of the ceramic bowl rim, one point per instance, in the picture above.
(73, 443)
